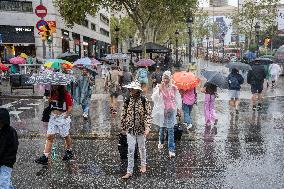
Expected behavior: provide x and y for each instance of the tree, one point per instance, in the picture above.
(251, 12)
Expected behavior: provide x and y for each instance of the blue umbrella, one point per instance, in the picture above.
(83, 61)
(216, 78)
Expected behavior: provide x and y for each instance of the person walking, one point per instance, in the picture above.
(112, 84)
(8, 149)
(61, 104)
(142, 77)
(104, 69)
(157, 77)
(167, 105)
(189, 98)
(274, 72)
(235, 81)
(83, 91)
(136, 123)
(210, 91)
(256, 78)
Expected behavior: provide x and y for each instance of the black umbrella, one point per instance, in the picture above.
(216, 78)
(238, 66)
(69, 56)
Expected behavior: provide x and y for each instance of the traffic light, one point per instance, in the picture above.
(267, 41)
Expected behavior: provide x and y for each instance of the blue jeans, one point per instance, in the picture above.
(85, 108)
(5, 177)
(186, 111)
(169, 124)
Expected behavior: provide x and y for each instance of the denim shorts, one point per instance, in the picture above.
(58, 124)
(234, 94)
(5, 177)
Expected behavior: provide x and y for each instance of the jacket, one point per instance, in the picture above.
(240, 79)
(9, 142)
(135, 118)
(256, 75)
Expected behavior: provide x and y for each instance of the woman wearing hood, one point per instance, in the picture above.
(167, 104)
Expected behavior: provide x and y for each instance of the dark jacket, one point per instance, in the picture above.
(210, 88)
(235, 77)
(8, 141)
(256, 75)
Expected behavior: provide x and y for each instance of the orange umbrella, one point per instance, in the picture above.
(185, 80)
(67, 65)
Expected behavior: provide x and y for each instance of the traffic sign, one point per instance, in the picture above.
(41, 23)
(41, 11)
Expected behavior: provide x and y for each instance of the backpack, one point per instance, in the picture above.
(143, 99)
(143, 73)
(233, 82)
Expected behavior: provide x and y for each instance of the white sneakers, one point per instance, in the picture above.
(160, 146)
(172, 154)
(189, 126)
(85, 115)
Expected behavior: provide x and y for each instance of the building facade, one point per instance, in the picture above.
(18, 32)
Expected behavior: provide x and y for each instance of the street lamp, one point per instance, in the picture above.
(257, 28)
(207, 46)
(177, 35)
(223, 40)
(130, 41)
(189, 22)
(116, 37)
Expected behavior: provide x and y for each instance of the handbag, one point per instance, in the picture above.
(46, 114)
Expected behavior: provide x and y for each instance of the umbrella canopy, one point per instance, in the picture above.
(185, 80)
(17, 60)
(216, 78)
(71, 57)
(57, 64)
(150, 48)
(53, 78)
(24, 55)
(3, 67)
(145, 62)
(117, 56)
(87, 62)
(238, 66)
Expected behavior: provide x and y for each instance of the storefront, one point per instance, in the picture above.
(77, 43)
(65, 41)
(89, 46)
(16, 40)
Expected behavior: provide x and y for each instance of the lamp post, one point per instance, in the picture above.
(257, 28)
(116, 37)
(189, 22)
(177, 35)
(207, 46)
(130, 41)
(223, 50)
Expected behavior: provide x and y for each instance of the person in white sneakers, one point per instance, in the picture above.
(189, 98)
(274, 72)
(167, 104)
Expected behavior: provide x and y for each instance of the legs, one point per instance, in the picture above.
(171, 140)
(209, 109)
(142, 149)
(186, 112)
(131, 141)
(161, 137)
(68, 142)
(48, 144)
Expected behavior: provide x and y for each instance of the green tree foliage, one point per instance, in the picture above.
(251, 12)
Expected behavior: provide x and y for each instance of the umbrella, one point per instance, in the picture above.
(238, 66)
(145, 62)
(57, 64)
(24, 55)
(53, 78)
(185, 80)
(17, 60)
(117, 56)
(216, 78)
(3, 67)
(71, 57)
(87, 62)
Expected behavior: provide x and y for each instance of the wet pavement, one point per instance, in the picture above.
(242, 151)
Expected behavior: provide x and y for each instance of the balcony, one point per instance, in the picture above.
(20, 6)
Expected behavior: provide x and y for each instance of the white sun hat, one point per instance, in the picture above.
(133, 85)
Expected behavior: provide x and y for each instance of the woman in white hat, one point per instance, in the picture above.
(167, 104)
(136, 123)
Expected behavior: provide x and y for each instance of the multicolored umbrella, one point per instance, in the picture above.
(24, 55)
(216, 78)
(185, 80)
(52, 78)
(58, 64)
(117, 56)
(144, 63)
(3, 67)
(87, 62)
(17, 60)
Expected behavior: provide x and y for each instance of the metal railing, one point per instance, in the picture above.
(21, 6)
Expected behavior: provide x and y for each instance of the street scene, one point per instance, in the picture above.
(123, 96)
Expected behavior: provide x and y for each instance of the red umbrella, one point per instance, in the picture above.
(3, 67)
(185, 80)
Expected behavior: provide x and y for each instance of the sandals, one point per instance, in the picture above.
(127, 176)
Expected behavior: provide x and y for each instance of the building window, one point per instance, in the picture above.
(21, 6)
(104, 32)
(104, 19)
(93, 26)
(85, 23)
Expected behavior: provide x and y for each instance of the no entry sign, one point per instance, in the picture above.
(40, 23)
(41, 11)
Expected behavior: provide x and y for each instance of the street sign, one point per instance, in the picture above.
(41, 23)
(41, 11)
(52, 26)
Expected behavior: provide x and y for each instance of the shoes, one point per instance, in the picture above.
(160, 146)
(127, 176)
(85, 115)
(214, 130)
(254, 108)
(189, 126)
(43, 160)
(172, 154)
(68, 155)
(237, 111)
(259, 107)
(216, 122)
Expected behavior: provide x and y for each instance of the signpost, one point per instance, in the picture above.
(41, 23)
(41, 11)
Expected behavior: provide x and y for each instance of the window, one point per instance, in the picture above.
(104, 32)
(93, 26)
(104, 19)
(85, 23)
(21, 6)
